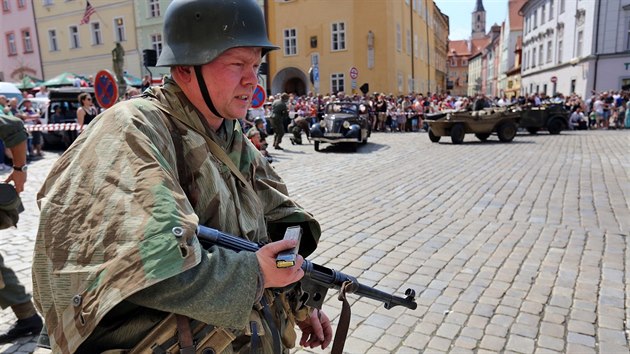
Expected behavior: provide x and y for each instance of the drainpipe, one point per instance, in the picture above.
(426, 10)
(413, 75)
(39, 46)
(267, 57)
(599, 6)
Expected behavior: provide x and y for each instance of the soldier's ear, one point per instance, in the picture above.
(183, 74)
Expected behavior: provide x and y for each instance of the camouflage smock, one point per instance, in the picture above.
(110, 203)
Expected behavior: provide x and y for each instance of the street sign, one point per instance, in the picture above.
(354, 73)
(554, 79)
(105, 89)
(259, 97)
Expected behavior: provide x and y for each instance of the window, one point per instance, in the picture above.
(74, 37)
(338, 40)
(549, 51)
(534, 58)
(119, 28)
(290, 41)
(21, 4)
(580, 42)
(337, 82)
(542, 14)
(408, 42)
(415, 44)
(398, 38)
(464, 62)
(535, 18)
(540, 55)
(551, 10)
(52, 41)
(400, 82)
(6, 7)
(628, 36)
(47, 2)
(97, 37)
(560, 51)
(562, 6)
(12, 46)
(154, 8)
(156, 43)
(27, 41)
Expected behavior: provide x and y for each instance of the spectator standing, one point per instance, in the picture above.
(87, 112)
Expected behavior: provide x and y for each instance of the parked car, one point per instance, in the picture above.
(343, 122)
(457, 124)
(553, 118)
(67, 99)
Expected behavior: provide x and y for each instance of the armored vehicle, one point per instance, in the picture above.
(457, 124)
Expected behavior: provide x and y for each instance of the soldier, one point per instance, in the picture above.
(117, 264)
(12, 293)
(279, 113)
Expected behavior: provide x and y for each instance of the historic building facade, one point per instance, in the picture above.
(19, 46)
(388, 45)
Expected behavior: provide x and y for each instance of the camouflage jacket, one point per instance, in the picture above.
(111, 201)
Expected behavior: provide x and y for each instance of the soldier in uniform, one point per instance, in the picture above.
(117, 265)
(12, 293)
(279, 114)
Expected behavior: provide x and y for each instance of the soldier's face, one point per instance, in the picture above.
(231, 79)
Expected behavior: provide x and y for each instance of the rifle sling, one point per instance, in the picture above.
(184, 334)
(344, 321)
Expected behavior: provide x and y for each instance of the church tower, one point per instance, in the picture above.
(479, 21)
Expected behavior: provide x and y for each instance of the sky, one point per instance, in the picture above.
(459, 13)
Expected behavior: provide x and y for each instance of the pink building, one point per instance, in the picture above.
(19, 49)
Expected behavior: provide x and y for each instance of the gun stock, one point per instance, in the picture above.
(317, 279)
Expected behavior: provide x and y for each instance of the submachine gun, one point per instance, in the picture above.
(317, 279)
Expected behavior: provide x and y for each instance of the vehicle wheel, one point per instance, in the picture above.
(555, 126)
(507, 132)
(434, 138)
(354, 147)
(482, 137)
(316, 145)
(532, 131)
(457, 133)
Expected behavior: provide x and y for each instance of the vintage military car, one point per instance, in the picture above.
(457, 124)
(343, 122)
(554, 118)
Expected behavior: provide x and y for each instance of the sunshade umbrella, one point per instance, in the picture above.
(132, 80)
(27, 83)
(63, 79)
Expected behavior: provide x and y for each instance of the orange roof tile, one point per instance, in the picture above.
(459, 47)
(516, 20)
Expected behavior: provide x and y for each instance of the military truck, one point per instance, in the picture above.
(553, 117)
(457, 124)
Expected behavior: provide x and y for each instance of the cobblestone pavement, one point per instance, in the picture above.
(513, 248)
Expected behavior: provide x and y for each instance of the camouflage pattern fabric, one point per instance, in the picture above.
(111, 201)
(12, 131)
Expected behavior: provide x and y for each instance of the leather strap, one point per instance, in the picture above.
(184, 334)
(277, 349)
(344, 321)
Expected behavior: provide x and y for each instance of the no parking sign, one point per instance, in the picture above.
(105, 89)
(259, 97)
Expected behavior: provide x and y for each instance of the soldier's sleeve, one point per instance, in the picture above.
(12, 131)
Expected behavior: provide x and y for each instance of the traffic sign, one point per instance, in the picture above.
(554, 79)
(259, 97)
(105, 89)
(354, 73)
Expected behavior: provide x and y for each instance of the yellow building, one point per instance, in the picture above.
(84, 49)
(441, 29)
(389, 45)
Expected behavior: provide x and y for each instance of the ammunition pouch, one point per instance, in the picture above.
(170, 335)
(10, 206)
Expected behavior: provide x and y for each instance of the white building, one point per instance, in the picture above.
(575, 46)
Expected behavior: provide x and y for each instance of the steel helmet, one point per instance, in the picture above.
(197, 31)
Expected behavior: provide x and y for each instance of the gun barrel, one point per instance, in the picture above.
(325, 277)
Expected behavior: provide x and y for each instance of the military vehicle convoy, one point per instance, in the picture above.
(553, 118)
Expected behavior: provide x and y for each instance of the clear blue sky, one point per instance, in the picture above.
(459, 14)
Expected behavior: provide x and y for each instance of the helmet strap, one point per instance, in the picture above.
(204, 91)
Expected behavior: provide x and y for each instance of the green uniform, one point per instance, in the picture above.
(279, 114)
(12, 133)
(106, 259)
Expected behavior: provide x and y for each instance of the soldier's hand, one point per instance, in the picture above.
(316, 330)
(273, 276)
(18, 178)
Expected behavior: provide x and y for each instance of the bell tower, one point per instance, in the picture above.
(478, 21)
